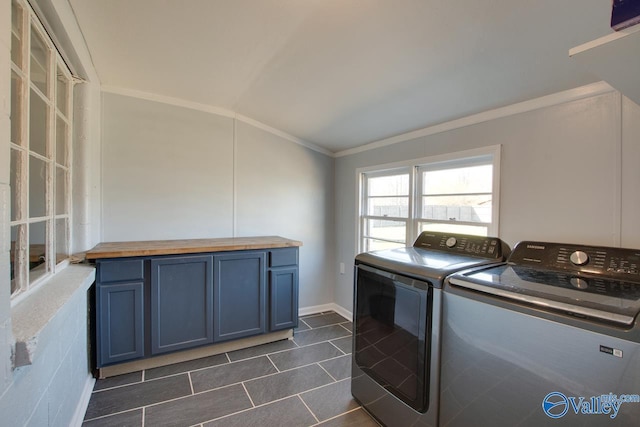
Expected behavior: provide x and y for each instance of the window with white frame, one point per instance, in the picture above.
(455, 193)
(40, 165)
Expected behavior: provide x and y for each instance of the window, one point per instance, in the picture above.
(40, 164)
(456, 193)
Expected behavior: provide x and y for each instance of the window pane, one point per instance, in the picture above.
(37, 251)
(388, 206)
(473, 179)
(38, 124)
(15, 171)
(37, 187)
(16, 34)
(375, 245)
(16, 108)
(387, 230)
(61, 142)
(61, 191)
(62, 85)
(454, 228)
(39, 61)
(457, 208)
(62, 247)
(393, 185)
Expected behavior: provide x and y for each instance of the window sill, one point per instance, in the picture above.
(31, 316)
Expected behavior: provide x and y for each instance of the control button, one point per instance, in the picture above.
(579, 258)
(451, 242)
(579, 283)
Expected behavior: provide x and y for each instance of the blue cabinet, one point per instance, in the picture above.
(239, 290)
(120, 331)
(283, 289)
(181, 303)
(152, 305)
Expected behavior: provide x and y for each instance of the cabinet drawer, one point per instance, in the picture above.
(282, 257)
(117, 270)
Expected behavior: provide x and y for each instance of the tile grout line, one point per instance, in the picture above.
(248, 395)
(144, 414)
(332, 377)
(307, 406)
(339, 349)
(340, 415)
(190, 383)
(274, 365)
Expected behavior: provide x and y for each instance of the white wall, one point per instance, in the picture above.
(563, 175)
(171, 172)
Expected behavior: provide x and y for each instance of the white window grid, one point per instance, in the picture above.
(57, 166)
(414, 222)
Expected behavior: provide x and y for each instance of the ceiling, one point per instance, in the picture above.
(342, 73)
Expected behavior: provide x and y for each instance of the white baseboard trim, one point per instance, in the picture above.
(81, 409)
(315, 309)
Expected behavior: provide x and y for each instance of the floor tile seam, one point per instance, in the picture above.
(302, 320)
(315, 417)
(116, 387)
(143, 381)
(249, 396)
(297, 346)
(322, 327)
(144, 413)
(190, 382)
(317, 362)
(248, 409)
(273, 364)
(339, 415)
(255, 378)
(324, 340)
(332, 377)
(114, 413)
(341, 325)
(339, 349)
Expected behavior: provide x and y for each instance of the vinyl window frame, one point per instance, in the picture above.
(484, 155)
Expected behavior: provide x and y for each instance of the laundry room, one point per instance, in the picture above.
(188, 188)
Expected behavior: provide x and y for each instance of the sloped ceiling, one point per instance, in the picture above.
(342, 73)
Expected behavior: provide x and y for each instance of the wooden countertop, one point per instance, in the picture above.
(170, 247)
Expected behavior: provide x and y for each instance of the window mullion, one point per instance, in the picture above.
(51, 154)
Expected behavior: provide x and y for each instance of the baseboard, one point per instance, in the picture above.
(314, 309)
(81, 409)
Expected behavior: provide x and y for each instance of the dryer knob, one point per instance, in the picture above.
(579, 258)
(451, 242)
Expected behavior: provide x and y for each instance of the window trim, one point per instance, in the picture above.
(55, 114)
(441, 161)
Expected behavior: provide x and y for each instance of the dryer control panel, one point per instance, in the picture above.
(463, 244)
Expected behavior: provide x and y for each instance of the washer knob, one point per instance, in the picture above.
(579, 258)
(451, 242)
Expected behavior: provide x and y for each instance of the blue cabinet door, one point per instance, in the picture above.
(239, 295)
(120, 331)
(283, 298)
(181, 302)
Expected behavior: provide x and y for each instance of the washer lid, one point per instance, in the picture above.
(593, 296)
(421, 264)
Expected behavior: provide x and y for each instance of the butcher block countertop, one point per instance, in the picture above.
(189, 246)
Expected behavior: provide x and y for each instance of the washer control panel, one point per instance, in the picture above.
(614, 262)
(463, 244)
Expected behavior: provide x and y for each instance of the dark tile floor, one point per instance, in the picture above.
(299, 382)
